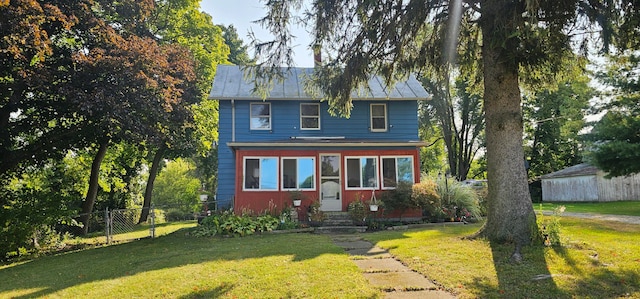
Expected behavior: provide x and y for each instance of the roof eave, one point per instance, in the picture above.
(325, 144)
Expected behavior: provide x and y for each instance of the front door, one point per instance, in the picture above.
(330, 188)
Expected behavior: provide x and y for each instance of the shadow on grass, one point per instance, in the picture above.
(216, 292)
(50, 274)
(529, 279)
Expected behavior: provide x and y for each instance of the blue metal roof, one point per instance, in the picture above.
(230, 83)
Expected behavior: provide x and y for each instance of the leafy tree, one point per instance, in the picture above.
(616, 136)
(35, 201)
(367, 37)
(556, 117)
(177, 187)
(239, 54)
(460, 117)
(182, 22)
(142, 87)
(36, 123)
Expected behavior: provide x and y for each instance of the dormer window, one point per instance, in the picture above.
(260, 116)
(378, 117)
(310, 116)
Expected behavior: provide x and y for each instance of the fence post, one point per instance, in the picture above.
(106, 225)
(153, 222)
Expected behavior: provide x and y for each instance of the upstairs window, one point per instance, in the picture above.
(298, 173)
(310, 116)
(395, 170)
(362, 172)
(261, 173)
(260, 116)
(378, 117)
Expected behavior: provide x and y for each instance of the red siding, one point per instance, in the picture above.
(259, 201)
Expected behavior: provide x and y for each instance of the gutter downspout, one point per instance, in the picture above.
(233, 120)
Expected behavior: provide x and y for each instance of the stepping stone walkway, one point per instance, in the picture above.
(386, 273)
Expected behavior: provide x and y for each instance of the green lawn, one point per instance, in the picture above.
(479, 269)
(598, 260)
(631, 208)
(181, 266)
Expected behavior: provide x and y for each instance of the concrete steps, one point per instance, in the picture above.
(337, 219)
(338, 223)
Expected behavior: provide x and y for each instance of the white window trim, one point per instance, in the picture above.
(244, 172)
(315, 175)
(251, 116)
(413, 174)
(386, 116)
(346, 173)
(318, 116)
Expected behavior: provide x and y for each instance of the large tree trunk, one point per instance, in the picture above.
(153, 172)
(92, 193)
(510, 212)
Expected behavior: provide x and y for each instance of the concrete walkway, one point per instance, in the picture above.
(386, 273)
(603, 217)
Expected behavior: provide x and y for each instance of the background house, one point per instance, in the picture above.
(584, 182)
(289, 141)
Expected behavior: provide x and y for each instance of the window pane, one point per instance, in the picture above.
(330, 166)
(389, 172)
(269, 173)
(378, 123)
(377, 110)
(305, 173)
(369, 177)
(353, 173)
(260, 110)
(310, 109)
(310, 123)
(405, 169)
(289, 173)
(260, 116)
(260, 123)
(252, 174)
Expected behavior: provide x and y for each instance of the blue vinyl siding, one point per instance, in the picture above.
(402, 125)
(402, 118)
(226, 158)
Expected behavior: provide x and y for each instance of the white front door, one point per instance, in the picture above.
(330, 188)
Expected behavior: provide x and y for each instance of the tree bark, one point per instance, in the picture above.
(510, 212)
(92, 193)
(153, 172)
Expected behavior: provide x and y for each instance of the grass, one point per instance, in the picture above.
(630, 208)
(140, 231)
(181, 266)
(597, 260)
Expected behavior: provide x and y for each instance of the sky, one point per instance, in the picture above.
(242, 13)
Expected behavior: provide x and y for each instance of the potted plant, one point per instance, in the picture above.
(373, 204)
(296, 197)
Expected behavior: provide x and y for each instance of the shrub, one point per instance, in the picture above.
(426, 196)
(458, 200)
(314, 212)
(178, 215)
(399, 199)
(229, 224)
(549, 227)
(266, 223)
(356, 210)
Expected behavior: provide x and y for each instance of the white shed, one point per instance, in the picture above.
(584, 182)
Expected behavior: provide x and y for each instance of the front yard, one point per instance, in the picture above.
(597, 260)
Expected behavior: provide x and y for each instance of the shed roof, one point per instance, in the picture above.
(583, 169)
(230, 83)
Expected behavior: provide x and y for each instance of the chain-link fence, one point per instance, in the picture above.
(127, 224)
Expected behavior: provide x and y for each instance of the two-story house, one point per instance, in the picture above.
(290, 142)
